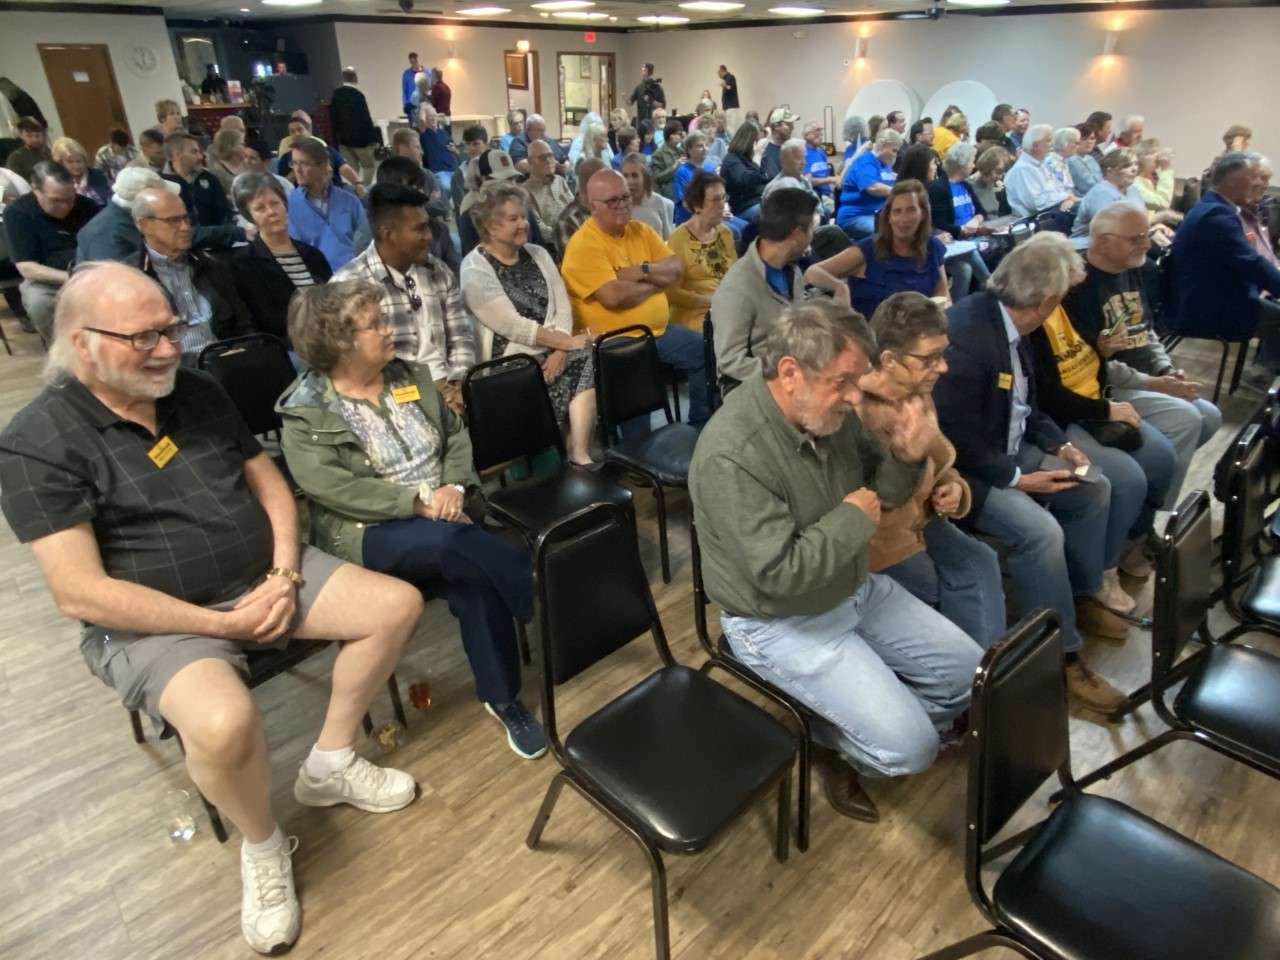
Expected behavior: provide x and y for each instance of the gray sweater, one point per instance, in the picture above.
(744, 309)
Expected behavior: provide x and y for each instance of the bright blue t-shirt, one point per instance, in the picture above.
(683, 177)
(962, 204)
(816, 164)
(887, 277)
(862, 173)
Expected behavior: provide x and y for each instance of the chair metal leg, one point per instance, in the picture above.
(661, 499)
(397, 705)
(658, 882)
(806, 767)
(1222, 370)
(978, 943)
(1143, 693)
(215, 819)
(544, 812)
(1242, 354)
(1137, 753)
(135, 719)
(783, 840)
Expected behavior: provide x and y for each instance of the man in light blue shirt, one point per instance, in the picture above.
(1029, 186)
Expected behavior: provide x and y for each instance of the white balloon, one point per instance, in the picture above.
(882, 96)
(976, 100)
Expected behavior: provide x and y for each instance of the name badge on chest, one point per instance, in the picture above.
(162, 452)
(405, 394)
(1005, 381)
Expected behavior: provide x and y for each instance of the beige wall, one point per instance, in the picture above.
(1191, 73)
(475, 71)
(20, 61)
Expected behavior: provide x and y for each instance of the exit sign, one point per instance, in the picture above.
(589, 36)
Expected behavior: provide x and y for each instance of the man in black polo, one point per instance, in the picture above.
(42, 227)
(729, 96)
(202, 193)
(160, 523)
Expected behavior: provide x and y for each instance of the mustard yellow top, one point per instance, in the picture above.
(943, 140)
(705, 265)
(593, 259)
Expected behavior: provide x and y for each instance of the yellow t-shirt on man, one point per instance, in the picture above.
(593, 258)
(1077, 362)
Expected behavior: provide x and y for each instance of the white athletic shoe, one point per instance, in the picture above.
(1112, 595)
(270, 916)
(361, 784)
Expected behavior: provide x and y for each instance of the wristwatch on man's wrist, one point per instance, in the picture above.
(644, 268)
(293, 576)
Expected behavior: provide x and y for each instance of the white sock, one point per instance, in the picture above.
(267, 846)
(321, 764)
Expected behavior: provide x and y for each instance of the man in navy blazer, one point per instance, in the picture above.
(1217, 277)
(1052, 527)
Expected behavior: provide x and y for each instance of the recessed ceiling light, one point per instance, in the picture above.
(564, 5)
(977, 3)
(663, 21)
(711, 6)
(580, 14)
(479, 11)
(790, 11)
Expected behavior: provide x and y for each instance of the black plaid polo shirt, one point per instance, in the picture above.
(191, 529)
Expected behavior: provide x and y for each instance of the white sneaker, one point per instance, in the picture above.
(270, 916)
(361, 784)
(1112, 595)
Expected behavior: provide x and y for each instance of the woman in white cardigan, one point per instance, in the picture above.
(514, 289)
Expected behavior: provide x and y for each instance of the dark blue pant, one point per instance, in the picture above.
(681, 348)
(485, 580)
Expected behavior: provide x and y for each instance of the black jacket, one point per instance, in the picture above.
(942, 208)
(229, 315)
(264, 287)
(205, 199)
(744, 181)
(973, 408)
(352, 124)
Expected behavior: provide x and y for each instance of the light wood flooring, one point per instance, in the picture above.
(87, 869)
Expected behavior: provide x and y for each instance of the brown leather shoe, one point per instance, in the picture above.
(1092, 691)
(1097, 621)
(842, 786)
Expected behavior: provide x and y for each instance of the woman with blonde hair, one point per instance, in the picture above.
(950, 132)
(89, 181)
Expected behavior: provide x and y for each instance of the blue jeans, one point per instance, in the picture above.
(750, 224)
(860, 227)
(884, 671)
(959, 576)
(487, 583)
(966, 270)
(1139, 482)
(1055, 542)
(681, 348)
(1188, 425)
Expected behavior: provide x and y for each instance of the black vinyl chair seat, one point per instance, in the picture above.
(665, 452)
(1261, 599)
(684, 754)
(1235, 694)
(1100, 881)
(534, 505)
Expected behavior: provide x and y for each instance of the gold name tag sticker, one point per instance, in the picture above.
(162, 452)
(407, 394)
(1005, 381)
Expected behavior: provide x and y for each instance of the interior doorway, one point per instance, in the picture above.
(587, 85)
(524, 89)
(85, 92)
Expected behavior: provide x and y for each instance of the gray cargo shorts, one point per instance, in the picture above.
(140, 666)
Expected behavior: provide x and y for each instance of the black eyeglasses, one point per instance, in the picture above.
(927, 360)
(410, 288)
(148, 339)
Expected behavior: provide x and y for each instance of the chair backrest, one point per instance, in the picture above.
(700, 599)
(509, 412)
(591, 595)
(714, 398)
(1018, 716)
(629, 378)
(1265, 415)
(1183, 593)
(1244, 518)
(254, 370)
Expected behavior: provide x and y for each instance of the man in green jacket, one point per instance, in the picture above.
(787, 488)
(663, 162)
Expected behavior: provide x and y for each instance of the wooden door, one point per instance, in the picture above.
(85, 92)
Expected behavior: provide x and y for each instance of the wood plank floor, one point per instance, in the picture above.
(87, 870)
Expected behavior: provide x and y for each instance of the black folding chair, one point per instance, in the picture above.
(720, 651)
(714, 398)
(1244, 521)
(510, 417)
(265, 665)
(1230, 700)
(676, 758)
(630, 384)
(1096, 880)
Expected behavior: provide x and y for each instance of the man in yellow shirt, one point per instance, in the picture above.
(617, 271)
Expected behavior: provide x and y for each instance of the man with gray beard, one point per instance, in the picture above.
(160, 524)
(787, 486)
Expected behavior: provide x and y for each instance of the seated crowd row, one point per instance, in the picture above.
(1040, 412)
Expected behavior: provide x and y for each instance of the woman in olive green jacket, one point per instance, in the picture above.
(386, 465)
